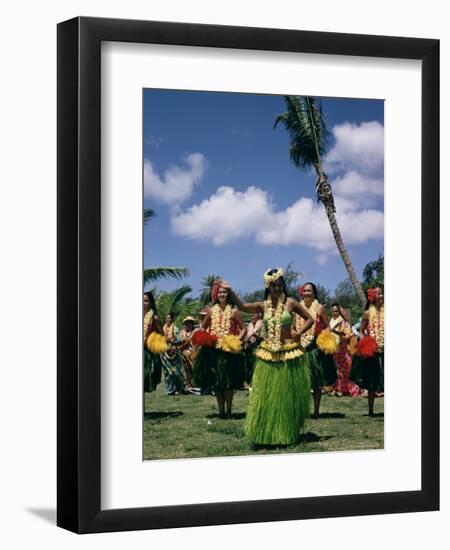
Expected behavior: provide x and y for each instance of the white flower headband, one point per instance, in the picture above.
(270, 278)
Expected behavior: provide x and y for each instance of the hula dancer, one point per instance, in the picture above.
(340, 326)
(279, 400)
(318, 357)
(152, 361)
(188, 351)
(368, 368)
(171, 360)
(219, 365)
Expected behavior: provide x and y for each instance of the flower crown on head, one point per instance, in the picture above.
(271, 278)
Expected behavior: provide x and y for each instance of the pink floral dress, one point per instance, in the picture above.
(343, 362)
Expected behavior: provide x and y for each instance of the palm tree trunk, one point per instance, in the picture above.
(325, 196)
(345, 257)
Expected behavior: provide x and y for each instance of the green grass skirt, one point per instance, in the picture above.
(369, 373)
(321, 366)
(279, 401)
(218, 370)
(152, 370)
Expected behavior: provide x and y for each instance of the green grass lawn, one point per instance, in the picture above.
(187, 426)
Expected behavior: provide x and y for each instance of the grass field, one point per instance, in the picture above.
(187, 426)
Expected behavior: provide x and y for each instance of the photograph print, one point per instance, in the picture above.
(263, 309)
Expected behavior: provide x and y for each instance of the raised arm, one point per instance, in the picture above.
(253, 307)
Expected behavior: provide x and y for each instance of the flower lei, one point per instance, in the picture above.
(148, 318)
(307, 337)
(376, 326)
(220, 322)
(273, 319)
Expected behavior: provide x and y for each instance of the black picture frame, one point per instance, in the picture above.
(79, 275)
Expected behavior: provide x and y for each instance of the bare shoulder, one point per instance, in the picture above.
(236, 313)
(292, 304)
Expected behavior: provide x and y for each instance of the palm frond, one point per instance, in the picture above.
(148, 214)
(155, 273)
(308, 133)
(206, 292)
(170, 302)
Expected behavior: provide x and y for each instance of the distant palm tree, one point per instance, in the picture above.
(305, 123)
(206, 292)
(177, 302)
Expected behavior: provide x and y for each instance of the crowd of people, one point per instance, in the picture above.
(289, 351)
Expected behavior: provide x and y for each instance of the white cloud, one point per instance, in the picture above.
(229, 215)
(177, 183)
(356, 190)
(358, 148)
(225, 217)
(355, 164)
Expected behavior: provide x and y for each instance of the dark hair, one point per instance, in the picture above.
(313, 286)
(151, 299)
(171, 315)
(229, 300)
(336, 305)
(267, 290)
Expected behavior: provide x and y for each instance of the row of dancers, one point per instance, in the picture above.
(289, 350)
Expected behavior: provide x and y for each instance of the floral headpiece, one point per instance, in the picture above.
(301, 289)
(271, 278)
(371, 295)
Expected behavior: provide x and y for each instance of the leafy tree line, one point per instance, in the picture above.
(181, 303)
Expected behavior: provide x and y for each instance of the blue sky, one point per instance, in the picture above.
(228, 200)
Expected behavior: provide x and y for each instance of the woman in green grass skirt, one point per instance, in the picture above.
(221, 367)
(279, 400)
(368, 371)
(322, 368)
(152, 361)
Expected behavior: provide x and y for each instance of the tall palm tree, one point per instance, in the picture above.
(305, 123)
(206, 292)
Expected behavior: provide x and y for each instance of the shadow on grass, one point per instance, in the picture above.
(234, 416)
(330, 415)
(310, 437)
(159, 414)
